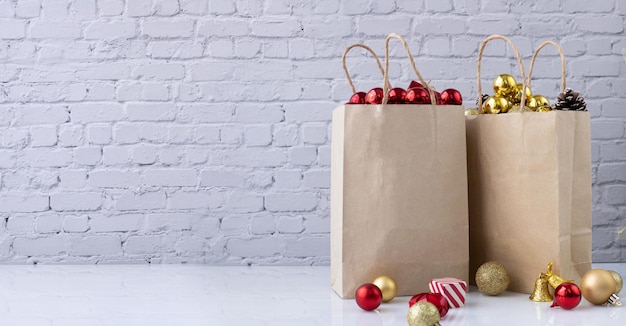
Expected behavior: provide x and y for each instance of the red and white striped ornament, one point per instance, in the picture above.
(453, 289)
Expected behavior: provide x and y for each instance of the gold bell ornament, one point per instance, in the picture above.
(553, 279)
(541, 293)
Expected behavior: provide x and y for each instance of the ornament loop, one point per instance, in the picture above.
(345, 67)
(563, 70)
(411, 60)
(519, 61)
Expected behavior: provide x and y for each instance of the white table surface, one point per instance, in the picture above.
(56, 295)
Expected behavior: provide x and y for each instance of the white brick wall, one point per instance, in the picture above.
(199, 130)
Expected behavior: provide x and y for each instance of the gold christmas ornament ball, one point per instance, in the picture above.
(423, 314)
(492, 278)
(471, 111)
(387, 286)
(597, 285)
(518, 94)
(619, 282)
(542, 102)
(496, 104)
(505, 85)
(532, 103)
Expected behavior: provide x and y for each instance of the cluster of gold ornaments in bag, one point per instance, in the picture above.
(508, 96)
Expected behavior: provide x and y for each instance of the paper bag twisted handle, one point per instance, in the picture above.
(345, 67)
(408, 52)
(532, 63)
(519, 61)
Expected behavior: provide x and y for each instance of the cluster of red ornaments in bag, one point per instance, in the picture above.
(416, 93)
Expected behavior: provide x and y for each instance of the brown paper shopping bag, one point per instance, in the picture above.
(398, 193)
(530, 189)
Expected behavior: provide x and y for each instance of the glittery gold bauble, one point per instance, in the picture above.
(423, 314)
(492, 278)
(517, 109)
(597, 285)
(471, 111)
(504, 85)
(388, 286)
(496, 104)
(619, 282)
(517, 97)
(541, 293)
(543, 105)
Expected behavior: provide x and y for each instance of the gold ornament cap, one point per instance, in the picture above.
(541, 293)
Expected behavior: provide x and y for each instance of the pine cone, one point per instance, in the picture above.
(570, 101)
(485, 97)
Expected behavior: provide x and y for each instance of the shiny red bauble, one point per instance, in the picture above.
(440, 302)
(418, 95)
(415, 84)
(451, 96)
(396, 96)
(566, 295)
(374, 96)
(438, 99)
(357, 98)
(368, 296)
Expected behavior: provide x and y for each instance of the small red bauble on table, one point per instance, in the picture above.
(440, 302)
(368, 296)
(567, 296)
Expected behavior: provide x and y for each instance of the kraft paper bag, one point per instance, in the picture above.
(530, 190)
(398, 194)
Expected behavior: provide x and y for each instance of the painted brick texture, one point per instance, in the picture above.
(172, 131)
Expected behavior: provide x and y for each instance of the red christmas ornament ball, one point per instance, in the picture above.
(368, 296)
(451, 96)
(415, 84)
(374, 96)
(357, 98)
(396, 96)
(567, 296)
(438, 98)
(440, 302)
(418, 95)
